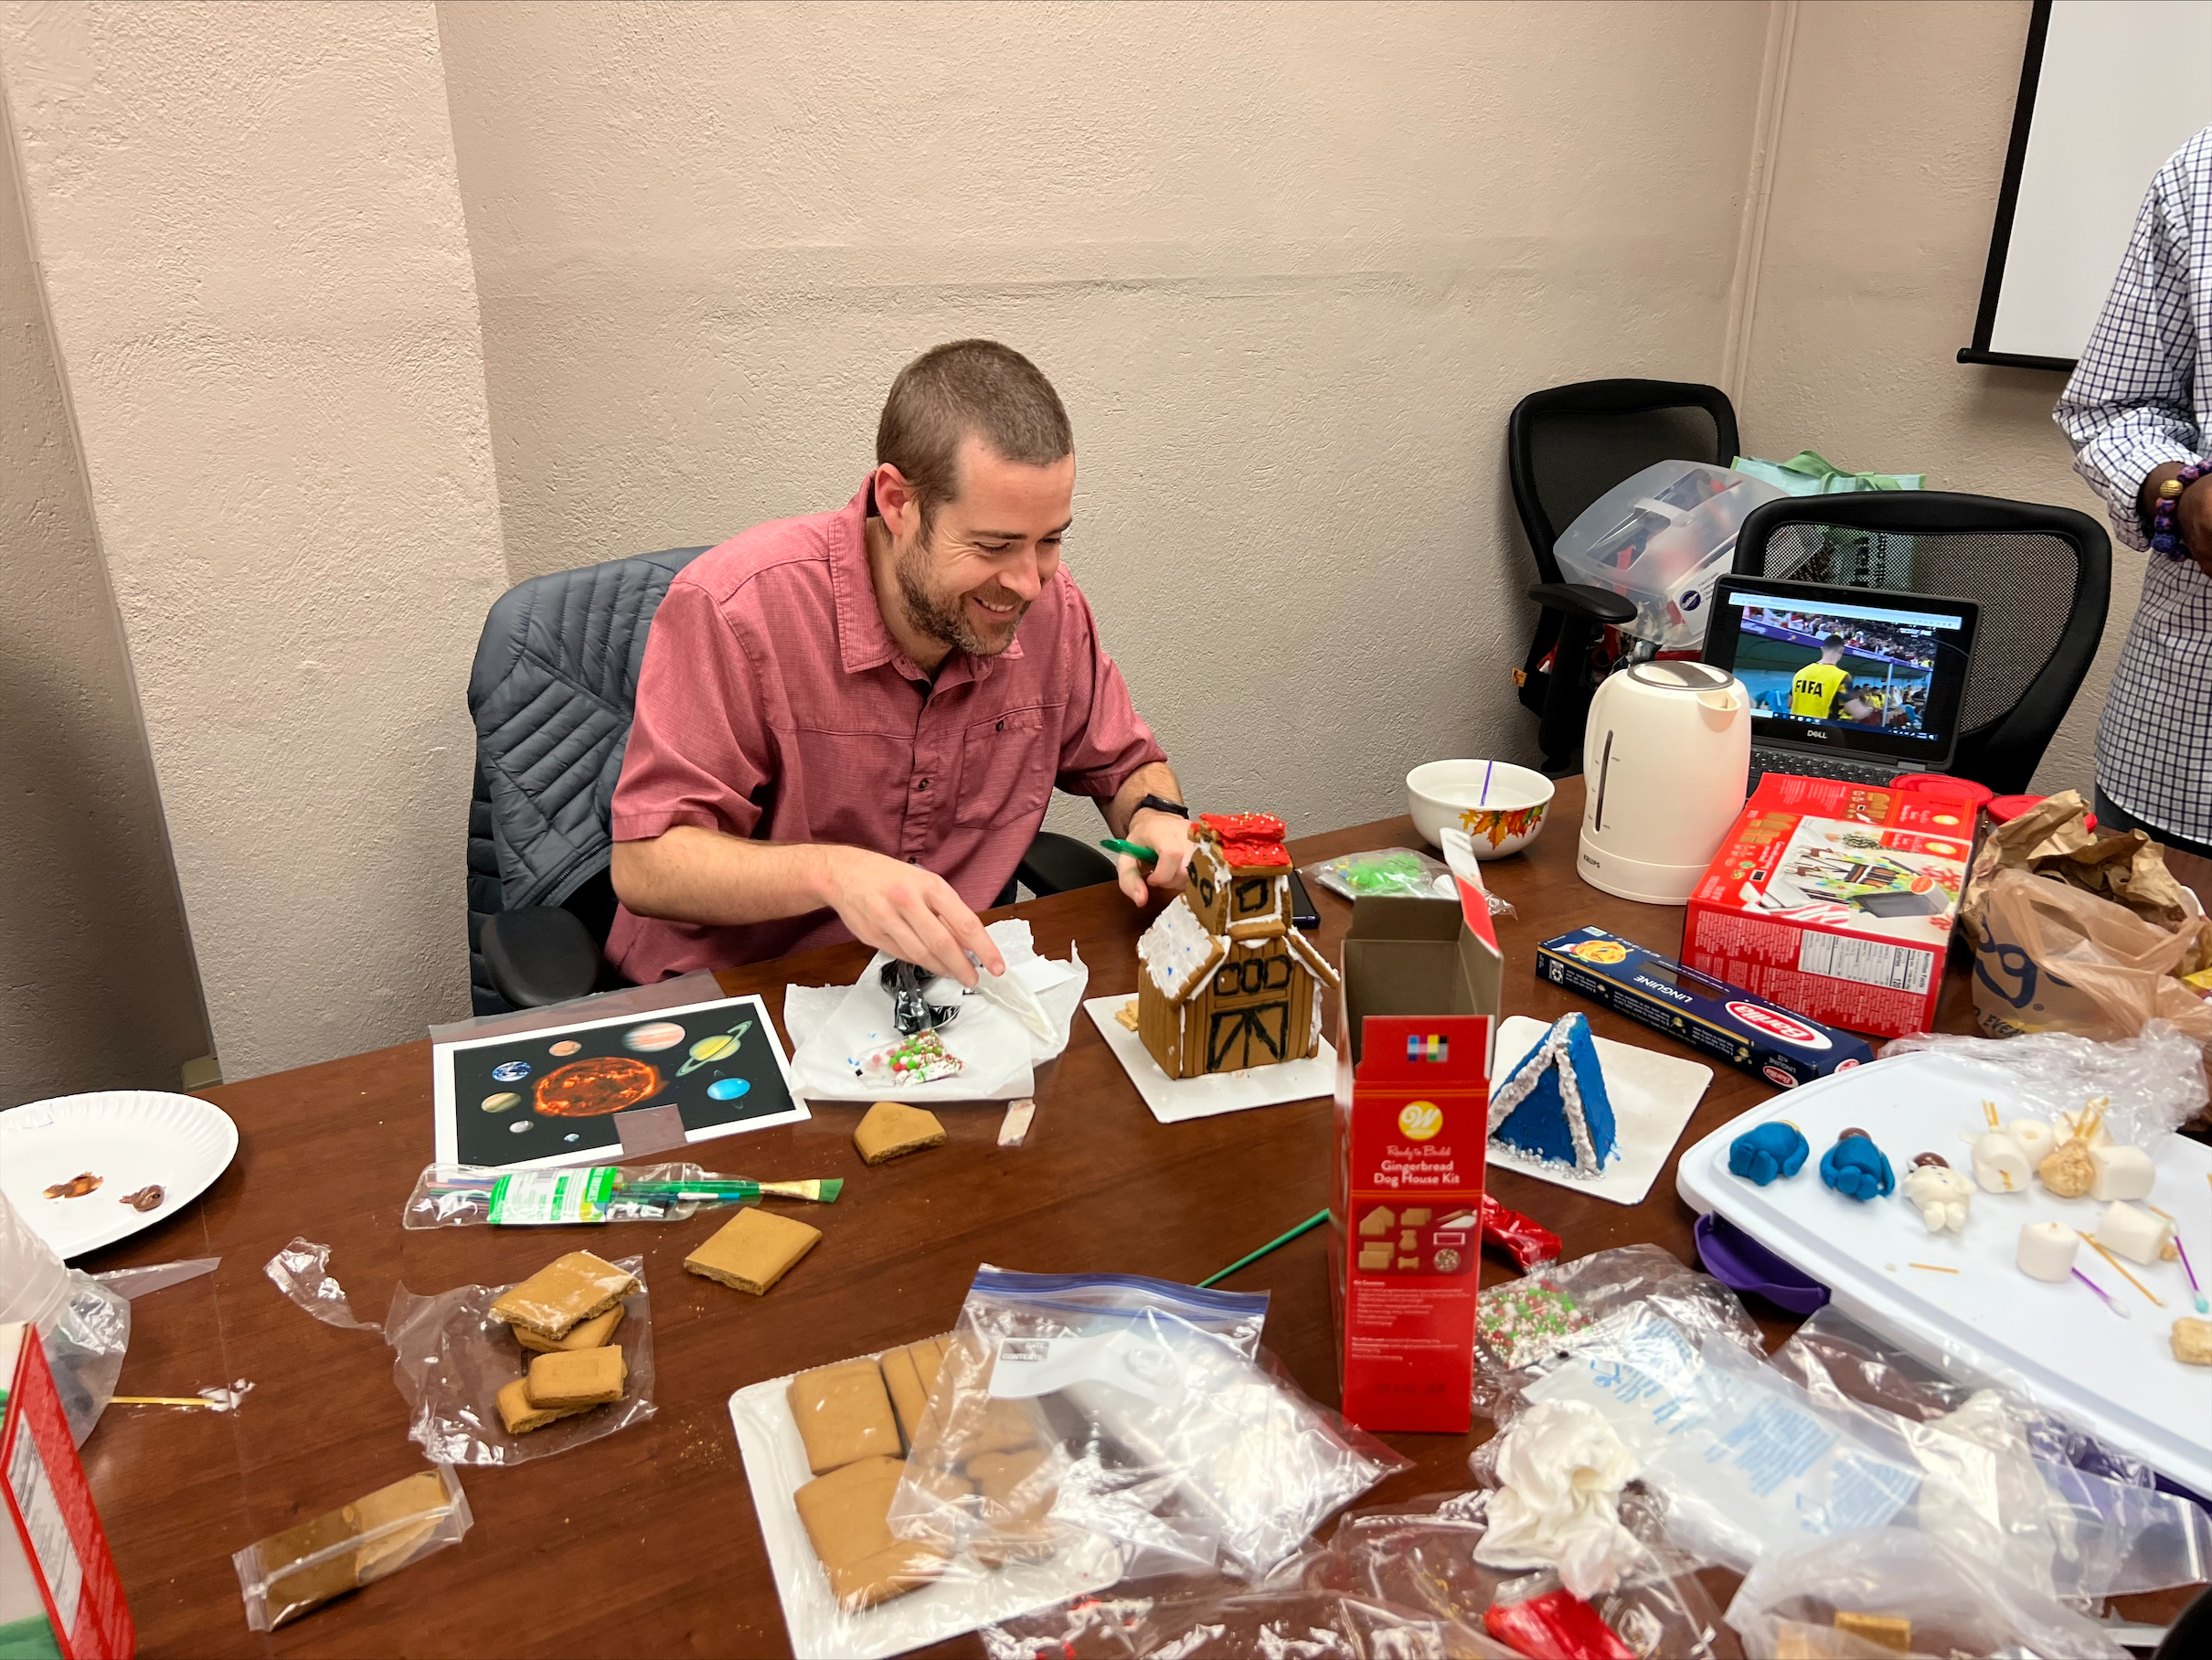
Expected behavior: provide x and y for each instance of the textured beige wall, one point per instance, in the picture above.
(97, 986)
(259, 284)
(1290, 267)
(1894, 122)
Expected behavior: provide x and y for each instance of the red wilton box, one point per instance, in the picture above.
(1835, 900)
(1420, 986)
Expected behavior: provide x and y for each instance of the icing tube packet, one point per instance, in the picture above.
(462, 1196)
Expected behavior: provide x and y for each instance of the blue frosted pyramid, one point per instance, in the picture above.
(1552, 1105)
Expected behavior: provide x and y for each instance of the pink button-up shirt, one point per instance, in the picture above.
(774, 704)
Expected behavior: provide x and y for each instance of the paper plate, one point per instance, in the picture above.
(130, 1139)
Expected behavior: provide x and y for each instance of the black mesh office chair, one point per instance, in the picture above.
(1566, 447)
(2043, 577)
(552, 693)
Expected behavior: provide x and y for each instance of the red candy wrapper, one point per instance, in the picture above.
(1525, 1241)
(1557, 1625)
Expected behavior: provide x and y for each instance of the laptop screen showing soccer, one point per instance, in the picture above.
(1845, 670)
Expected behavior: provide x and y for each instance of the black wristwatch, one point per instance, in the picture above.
(1160, 803)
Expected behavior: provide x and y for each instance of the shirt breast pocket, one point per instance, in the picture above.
(1006, 767)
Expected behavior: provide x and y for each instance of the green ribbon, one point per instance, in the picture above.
(1810, 463)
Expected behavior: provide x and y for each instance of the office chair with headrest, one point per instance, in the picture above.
(2043, 576)
(552, 693)
(1566, 447)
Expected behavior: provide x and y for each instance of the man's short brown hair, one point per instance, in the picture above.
(960, 388)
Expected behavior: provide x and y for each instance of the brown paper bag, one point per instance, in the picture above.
(2052, 957)
(2054, 839)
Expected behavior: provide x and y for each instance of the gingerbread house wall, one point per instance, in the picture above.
(1178, 1037)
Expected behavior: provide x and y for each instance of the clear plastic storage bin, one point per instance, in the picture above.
(1661, 539)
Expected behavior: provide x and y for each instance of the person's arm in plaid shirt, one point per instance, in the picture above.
(2127, 411)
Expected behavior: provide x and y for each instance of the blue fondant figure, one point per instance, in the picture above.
(1552, 1105)
(1857, 1169)
(1771, 1150)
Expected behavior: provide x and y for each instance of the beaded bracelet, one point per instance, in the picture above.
(2163, 538)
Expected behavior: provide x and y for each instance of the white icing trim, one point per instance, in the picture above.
(1176, 950)
(1552, 1054)
(1316, 964)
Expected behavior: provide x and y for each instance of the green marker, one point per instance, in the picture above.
(1136, 850)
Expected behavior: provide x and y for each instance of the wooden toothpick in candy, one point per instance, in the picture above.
(2120, 1269)
(1989, 1111)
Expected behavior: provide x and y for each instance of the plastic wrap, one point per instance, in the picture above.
(1402, 872)
(453, 1360)
(85, 1326)
(296, 1571)
(1524, 1322)
(2155, 1083)
(1133, 1409)
(469, 1196)
(1952, 1605)
(1225, 1622)
(301, 1272)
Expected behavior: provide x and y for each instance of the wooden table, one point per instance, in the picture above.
(647, 1541)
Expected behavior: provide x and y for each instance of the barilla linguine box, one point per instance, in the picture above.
(58, 1593)
(1777, 1044)
(1835, 900)
(1422, 982)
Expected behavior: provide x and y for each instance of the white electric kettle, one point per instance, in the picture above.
(1665, 758)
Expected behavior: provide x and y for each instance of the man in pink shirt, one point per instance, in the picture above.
(838, 733)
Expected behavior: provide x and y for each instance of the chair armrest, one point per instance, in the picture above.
(539, 954)
(1059, 863)
(1582, 599)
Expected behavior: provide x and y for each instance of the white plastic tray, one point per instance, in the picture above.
(969, 1596)
(2118, 1378)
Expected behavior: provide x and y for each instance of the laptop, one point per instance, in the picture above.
(1857, 683)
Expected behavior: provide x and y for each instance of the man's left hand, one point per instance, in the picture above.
(1170, 838)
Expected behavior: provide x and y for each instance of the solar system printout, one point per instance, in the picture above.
(550, 1097)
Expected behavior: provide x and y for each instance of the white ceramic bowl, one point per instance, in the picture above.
(1448, 794)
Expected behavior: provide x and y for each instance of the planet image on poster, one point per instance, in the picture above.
(511, 1071)
(519, 1126)
(564, 1048)
(572, 1136)
(651, 1038)
(728, 1089)
(595, 1087)
(720, 1046)
(506, 1100)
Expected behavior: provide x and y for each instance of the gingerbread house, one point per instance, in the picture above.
(1228, 983)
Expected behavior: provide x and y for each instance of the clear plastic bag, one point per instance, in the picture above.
(1404, 872)
(85, 1326)
(1130, 1409)
(1809, 1601)
(301, 1272)
(297, 1570)
(1526, 1322)
(2154, 1083)
(453, 1360)
(467, 1196)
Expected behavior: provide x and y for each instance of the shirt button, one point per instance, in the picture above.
(1000, 727)
(912, 860)
(921, 784)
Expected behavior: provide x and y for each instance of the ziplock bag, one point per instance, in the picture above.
(1936, 1599)
(1136, 1410)
(297, 1570)
(452, 1359)
(462, 1196)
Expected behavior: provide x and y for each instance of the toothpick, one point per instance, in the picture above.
(1989, 1109)
(2167, 1214)
(1932, 1268)
(164, 1401)
(2121, 1269)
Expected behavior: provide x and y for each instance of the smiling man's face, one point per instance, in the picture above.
(968, 581)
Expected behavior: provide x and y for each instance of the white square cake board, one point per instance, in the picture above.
(967, 1596)
(1653, 1096)
(1174, 1100)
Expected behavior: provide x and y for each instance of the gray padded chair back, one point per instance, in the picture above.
(551, 694)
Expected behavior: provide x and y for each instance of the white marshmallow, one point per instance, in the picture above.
(2000, 1164)
(2133, 1233)
(2122, 1172)
(2036, 1136)
(2046, 1251)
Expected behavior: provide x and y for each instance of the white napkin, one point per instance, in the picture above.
(832, 1027)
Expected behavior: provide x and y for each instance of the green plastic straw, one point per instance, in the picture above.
(1311, 1222)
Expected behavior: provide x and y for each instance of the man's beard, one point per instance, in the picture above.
(946, 621)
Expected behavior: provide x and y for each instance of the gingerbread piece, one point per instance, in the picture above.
(520, 1417)
(903, 1381)
(845, 1513)
(1374, 1256)
(577, 1378)
(2192, 1341)
(891, 1129)
(584, 1334)
(753, 1251)
(843, 1414)
(1377, 1222)
(1414, 1218)
(563, 1294)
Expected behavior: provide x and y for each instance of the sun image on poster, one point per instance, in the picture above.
(550, 1097)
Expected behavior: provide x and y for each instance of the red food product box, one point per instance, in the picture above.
(1836, 901)
(1421, 981)
(58, 1590)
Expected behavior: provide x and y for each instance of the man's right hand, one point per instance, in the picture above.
(911, 913)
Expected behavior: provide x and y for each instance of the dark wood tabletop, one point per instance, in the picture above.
(646, 1540)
